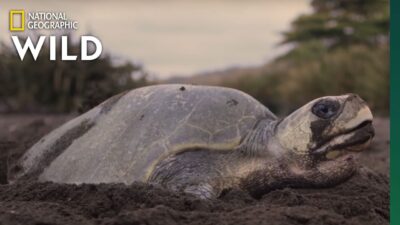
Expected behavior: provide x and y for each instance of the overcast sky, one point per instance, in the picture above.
(172, 37)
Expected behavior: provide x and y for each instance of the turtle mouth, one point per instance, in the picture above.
(352, 140)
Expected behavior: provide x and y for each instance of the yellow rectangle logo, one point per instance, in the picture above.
(17, 20)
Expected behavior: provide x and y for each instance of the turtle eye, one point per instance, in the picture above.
(326, 109)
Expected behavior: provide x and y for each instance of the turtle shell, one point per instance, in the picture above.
(122, 139)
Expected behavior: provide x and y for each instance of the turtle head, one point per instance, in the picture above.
(327, 128)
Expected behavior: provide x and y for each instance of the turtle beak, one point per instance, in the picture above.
(363, 115)
(356, 136)
(356, 139)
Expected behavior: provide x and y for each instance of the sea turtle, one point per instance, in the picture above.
(203, 140)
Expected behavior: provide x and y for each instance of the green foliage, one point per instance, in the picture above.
(61, 86)
(289, 83)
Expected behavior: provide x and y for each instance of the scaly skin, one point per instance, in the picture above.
(207, 173)
(327, 174)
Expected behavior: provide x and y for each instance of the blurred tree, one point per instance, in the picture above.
(343, 22)
(61, 86)
(341, 47)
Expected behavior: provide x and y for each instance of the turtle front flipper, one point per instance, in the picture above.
(280, 175)
(196, 171)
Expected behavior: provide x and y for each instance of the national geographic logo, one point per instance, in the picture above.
(20, 20)
(17, 20)
(40, 21)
